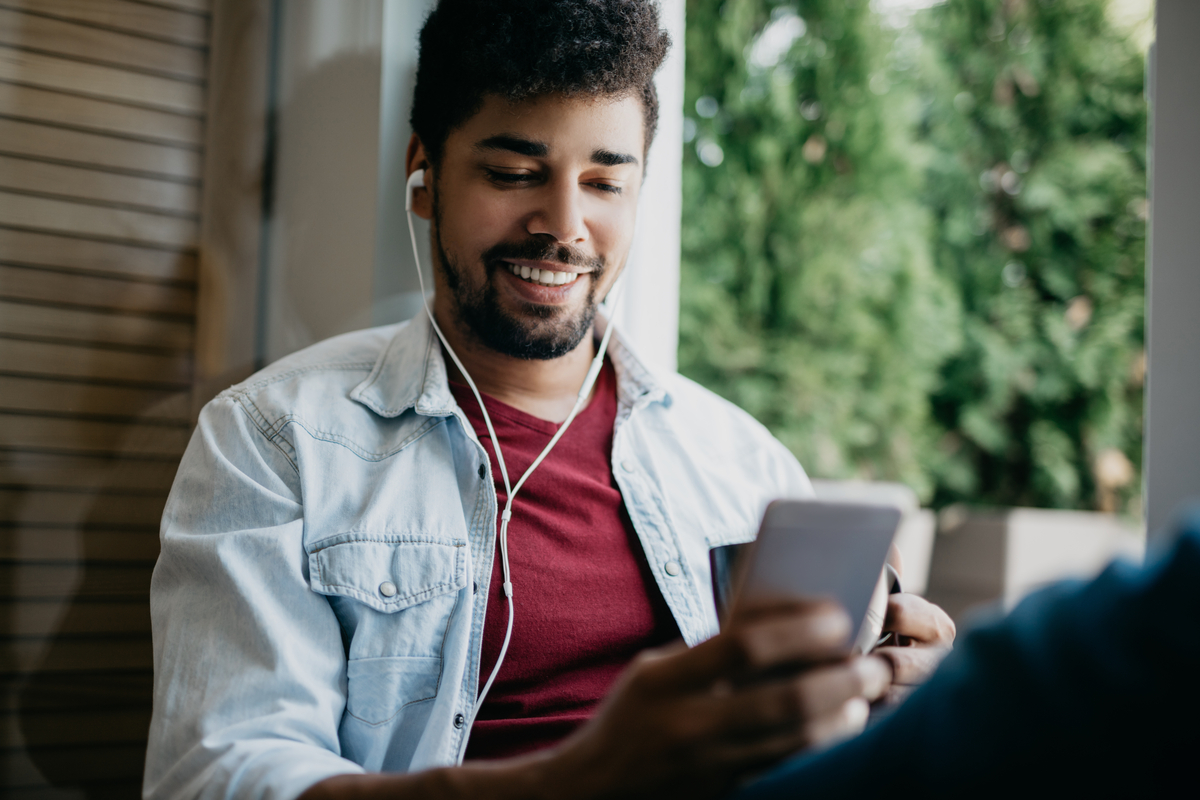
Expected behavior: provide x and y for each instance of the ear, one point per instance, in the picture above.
(415, 159)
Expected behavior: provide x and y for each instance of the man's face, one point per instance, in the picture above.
(533, 209)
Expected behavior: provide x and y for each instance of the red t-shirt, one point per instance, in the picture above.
(585, 600)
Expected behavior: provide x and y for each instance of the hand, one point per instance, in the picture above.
(922, 635)
(680, 722)
(690, 723)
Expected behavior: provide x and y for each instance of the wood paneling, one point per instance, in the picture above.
(69, 692)
(29, 248)
(46, 618)
(71, 544)
(105, 83)
(100, 152)
(194, 6)
(99, 327)
(33, 507)
(102, 129)
(95, 582)
(71, 361)
(27, 211)
(138, 18)
(75, 727)
(56, 37)
(81, 436)
(72, 766)
(97, 116)
(77, 655)
(101, 791)
(146, 194)
(26, 470)
(23, 283)
(88, 400)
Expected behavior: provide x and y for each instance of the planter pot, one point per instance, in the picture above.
(985, 558)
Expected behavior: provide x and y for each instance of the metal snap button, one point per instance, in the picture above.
(672, 568)
(387, 589)
(459, 720)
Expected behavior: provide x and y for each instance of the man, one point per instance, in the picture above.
(1083, 691)
(328, 602)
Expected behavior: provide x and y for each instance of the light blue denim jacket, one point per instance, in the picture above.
(315, 608)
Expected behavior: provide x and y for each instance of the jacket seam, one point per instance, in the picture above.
(408, 539)
(257, 421)
(396, 604)
(261, 383)
(354, 447)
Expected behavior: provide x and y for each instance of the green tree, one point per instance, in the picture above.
(809, 296)
(1035, 116)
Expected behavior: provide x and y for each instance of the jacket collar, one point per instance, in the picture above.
(411, 373)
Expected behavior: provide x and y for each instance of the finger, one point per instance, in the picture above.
(849, 720)
(846, 720)
(807, 633)
(810, 634)
(911, 665)
(771, 636)
(758, 754)
(896, 560)
(917, 618)
(794, 702)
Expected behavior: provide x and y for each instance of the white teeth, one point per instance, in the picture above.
(543, 277)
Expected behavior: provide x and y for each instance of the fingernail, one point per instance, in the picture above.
(857, 711)
(833, 625)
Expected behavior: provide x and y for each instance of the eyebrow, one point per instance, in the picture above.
(535, 149)
(515, 144)
(608, 158)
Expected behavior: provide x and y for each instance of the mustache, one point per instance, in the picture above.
(538, 250)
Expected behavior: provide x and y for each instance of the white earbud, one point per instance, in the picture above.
(414, 180)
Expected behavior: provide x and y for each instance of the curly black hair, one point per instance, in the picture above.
(520, 49)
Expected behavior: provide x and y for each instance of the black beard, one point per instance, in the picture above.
(479, 309)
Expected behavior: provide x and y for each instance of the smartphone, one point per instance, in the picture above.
(814, 549)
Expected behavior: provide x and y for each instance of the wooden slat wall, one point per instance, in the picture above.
(102, 124)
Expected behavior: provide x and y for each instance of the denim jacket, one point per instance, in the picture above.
(315, 605)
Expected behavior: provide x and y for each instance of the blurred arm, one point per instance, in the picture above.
(1083, 688)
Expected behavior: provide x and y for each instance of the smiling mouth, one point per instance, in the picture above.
(543, 277)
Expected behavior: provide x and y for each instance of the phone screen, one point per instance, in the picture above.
(820, 550)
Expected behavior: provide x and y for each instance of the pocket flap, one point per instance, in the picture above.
(388, 572)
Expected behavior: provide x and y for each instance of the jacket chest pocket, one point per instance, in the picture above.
(395, 595)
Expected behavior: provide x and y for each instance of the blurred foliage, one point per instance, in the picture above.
(809, 297)
(916, 252)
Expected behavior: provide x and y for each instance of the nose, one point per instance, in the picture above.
(560, 214)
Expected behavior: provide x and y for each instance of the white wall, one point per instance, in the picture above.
(321, 227)
(339, 256)
(397, 293)
(650, 317)
(1172, 457)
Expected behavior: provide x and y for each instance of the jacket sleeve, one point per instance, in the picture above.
(1084, 690)
(249, 663)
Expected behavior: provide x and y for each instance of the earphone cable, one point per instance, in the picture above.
(510, 491)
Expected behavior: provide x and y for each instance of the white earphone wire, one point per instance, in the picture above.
(510, 491)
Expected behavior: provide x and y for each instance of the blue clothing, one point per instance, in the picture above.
(314, 606)
(1086, 689)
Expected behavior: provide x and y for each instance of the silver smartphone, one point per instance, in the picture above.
(814, 549)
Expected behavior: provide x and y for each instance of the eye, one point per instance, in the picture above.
(606, 187)
(509, 178)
